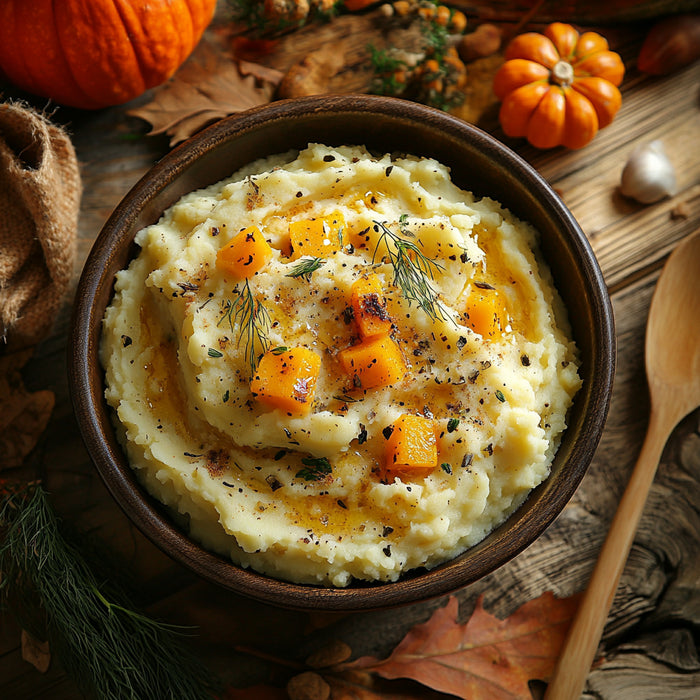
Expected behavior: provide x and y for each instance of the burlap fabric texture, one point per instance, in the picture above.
(39, 203)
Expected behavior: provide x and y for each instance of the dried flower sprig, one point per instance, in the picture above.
(413, 270)
(278, 16)
(253, 322)
(435, 74)
(110, 650)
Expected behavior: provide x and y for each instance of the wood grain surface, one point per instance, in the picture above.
(649, 648)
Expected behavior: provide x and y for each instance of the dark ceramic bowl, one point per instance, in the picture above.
(479, 163)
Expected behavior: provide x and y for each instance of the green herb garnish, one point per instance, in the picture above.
(387, 69)
(499, 395)
(316, 468)
(253, 323)
(452, 425)
(413, 270)
(212, 352)
(305, 267)
(446, 467)
(109, 649)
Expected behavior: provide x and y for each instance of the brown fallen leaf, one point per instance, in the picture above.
(24, 415)
(37, 653)
(312, 74)
(208, 87)
(260, 72)
(484, 659)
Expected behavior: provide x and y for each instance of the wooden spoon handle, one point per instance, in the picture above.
(586, 629)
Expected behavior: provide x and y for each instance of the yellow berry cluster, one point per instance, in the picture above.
(437, 75)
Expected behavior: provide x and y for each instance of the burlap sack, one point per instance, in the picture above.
(39, 202)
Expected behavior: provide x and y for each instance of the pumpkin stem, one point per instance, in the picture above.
(562, 73)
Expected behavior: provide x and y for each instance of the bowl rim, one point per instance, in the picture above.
(92, 415)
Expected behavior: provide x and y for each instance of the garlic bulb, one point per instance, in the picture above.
(648, 175)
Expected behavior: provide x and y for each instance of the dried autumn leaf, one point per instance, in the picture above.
(24, 415)
(484, 659)
(37, 653)
(208, 87)
(373, 688)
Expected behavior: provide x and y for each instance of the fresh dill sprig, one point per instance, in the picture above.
(305, 267)
(253, 322)
(413, 270)
(110, 650)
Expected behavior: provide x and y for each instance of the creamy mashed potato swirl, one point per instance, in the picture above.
(313, 494)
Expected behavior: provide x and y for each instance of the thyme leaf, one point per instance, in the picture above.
(413, 270)
(305, 267)
(253, 322)
(315, 468)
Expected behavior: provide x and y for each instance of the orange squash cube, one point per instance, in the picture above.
(376, 361)
(319, 237)
(369, 307)
(287, 380)
(412, 445)
(486, 313)
(244, 254)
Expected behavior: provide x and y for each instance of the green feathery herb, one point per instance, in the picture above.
(305, 267)
(386, 67)
(253, 323)
(316, 468)
(111, 651)
(413, 270)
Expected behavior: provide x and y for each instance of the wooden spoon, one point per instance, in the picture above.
(673, 372)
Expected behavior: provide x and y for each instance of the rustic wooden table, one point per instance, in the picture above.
(650, 644)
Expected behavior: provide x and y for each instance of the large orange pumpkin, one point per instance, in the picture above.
(97, 53)
(558, 88)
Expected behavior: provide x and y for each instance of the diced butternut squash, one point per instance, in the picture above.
(245, 254)
(486, 313)
(369, 307)
(287, 380)
(376, 361)
(319, 237)
(412, 446)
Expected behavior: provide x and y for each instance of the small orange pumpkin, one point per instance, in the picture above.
(96, 53)
(558, 88)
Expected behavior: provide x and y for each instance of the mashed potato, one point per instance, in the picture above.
(338, 366)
